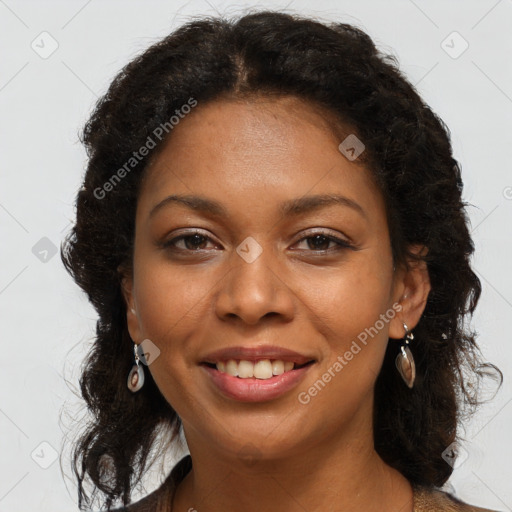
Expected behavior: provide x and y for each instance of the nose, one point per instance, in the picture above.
(251, 291)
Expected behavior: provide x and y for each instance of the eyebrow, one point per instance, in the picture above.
(292, 207)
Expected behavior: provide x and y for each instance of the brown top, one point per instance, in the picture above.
(425, 499)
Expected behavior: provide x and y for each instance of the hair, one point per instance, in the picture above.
(333, 66)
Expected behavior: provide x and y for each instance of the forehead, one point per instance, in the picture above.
(237, 148)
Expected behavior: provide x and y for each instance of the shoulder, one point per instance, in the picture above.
(161, 498)
(435, 500)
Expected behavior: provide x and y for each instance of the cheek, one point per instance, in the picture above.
(170, 306)
(367, 297)
(352, 312)
(352, 299)
(356, 337)
(167, 297)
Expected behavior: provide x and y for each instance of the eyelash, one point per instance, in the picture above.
(341, 244)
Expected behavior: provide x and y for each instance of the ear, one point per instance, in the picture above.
(132, 319)
(411, 289)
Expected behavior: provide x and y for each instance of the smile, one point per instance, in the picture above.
(262, 369)
(255, 381)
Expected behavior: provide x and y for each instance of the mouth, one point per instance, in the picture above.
(262, 369)
(261, 380)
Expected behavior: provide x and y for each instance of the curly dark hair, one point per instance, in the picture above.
(336, 67)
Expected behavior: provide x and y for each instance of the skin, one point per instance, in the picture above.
(251, 156)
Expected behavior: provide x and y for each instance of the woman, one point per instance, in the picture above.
(272, 232)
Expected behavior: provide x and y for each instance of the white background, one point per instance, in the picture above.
(46, 322)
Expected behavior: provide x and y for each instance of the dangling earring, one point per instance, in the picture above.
(136, 376)
(405, 361)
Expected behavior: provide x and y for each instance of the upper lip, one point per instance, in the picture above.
(256, 354)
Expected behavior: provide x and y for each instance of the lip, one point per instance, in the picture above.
(255, 354)
(252, 389)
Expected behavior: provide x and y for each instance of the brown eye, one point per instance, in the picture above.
(194, 241)
(321, 242)
(190, 242)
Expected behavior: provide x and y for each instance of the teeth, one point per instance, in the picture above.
(245, 369)
(288, 365)
(277, 367)
(231, 368)
(262, 369)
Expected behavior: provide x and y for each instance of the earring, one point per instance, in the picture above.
(136, 376)
(405, 361)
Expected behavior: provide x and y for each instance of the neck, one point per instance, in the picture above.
(344, 473)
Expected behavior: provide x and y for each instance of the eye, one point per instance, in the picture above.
(320, 242)
(195, 241)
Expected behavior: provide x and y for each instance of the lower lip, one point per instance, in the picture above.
(256, 390)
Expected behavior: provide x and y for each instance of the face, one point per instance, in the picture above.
(266, 266)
